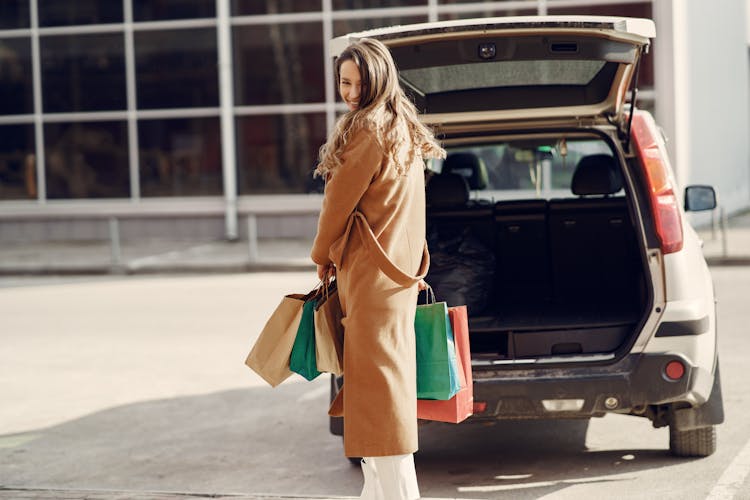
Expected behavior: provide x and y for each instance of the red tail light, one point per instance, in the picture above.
(664, 205)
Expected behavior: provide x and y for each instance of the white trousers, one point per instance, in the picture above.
(390, 478)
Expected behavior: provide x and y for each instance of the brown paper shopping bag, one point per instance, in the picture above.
(269, 357)
(329, 333)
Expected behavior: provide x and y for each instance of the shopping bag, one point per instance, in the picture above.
(302, 359)
(461, 406)
(329, 333)
(437, 371)
(269, 357)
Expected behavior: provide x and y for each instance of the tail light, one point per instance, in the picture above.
(664, 205)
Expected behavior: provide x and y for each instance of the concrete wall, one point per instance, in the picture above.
(702, 92)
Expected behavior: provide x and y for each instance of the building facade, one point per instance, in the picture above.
(216, 108)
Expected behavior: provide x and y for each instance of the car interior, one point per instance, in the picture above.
(550, 267)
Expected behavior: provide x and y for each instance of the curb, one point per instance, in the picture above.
(167, 269)
(728, 261)
(42, 493)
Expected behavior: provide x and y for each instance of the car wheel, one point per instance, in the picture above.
(700, 442)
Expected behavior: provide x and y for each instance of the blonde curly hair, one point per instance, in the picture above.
(383, 109)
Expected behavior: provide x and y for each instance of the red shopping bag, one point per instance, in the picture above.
(460, 406)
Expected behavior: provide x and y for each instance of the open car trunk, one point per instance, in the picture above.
(542, 277)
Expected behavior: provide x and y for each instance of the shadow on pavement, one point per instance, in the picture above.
(263, 440)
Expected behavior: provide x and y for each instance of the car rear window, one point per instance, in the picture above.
(524, 169)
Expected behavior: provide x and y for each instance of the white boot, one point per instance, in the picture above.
(390, 478)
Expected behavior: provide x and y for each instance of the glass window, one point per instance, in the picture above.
(278, 153)
(255, 7)
(176, 68)
(83, 72)
(14, 14)
(57, 13)
(87, 160)
(17, 162)
(180, 157)
(646, 72)
(157, 10)
(16, 86)
(541, 168)
(279, 64)
(373, 4)
(344, 26)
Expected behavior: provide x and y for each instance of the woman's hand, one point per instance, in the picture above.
(422, 285)
(323, 269)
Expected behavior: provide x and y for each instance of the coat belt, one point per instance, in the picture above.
(376, 251)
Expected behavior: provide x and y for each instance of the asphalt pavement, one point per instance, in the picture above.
(76, 258)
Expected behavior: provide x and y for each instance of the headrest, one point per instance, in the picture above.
(596, 174)
(469, 166)
(447, 190)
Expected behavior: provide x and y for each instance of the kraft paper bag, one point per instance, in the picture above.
(269, 357)
(329, 333)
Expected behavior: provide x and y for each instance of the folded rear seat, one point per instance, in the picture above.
(592, 241)
(461, 240)
(522, 250)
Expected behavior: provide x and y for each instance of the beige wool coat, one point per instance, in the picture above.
(379, 398)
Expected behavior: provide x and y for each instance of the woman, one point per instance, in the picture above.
(372, 230)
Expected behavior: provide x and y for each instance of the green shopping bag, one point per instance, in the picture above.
(302, 359)
(437, 369)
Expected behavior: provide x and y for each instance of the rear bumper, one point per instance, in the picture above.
(636, 381)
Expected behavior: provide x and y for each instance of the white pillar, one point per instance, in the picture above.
(226, 99)
(671, 82)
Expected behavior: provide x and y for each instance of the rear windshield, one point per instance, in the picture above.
(524, 169)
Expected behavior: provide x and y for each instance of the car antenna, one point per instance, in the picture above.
(633, 97)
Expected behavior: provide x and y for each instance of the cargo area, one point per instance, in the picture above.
(541, 277)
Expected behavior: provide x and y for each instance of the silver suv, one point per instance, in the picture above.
(557, 220)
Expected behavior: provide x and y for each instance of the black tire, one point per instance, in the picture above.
(355, 460)
(700, 442)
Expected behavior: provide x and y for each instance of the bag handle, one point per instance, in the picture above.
(381, 258)
(429, 295)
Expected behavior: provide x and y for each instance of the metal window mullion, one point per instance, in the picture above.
(90, 116)
(84, 29)
(541, 9)
(328, 66)
(381, 12)
(149, 114)
(133, 150)
(432, 11)
(207, 22)
(226, 99)
(16, 119)
(297, 17)
(283, 109)
(17, 33)
(36, 72)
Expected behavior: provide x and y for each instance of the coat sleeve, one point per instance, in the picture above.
(360, 164)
